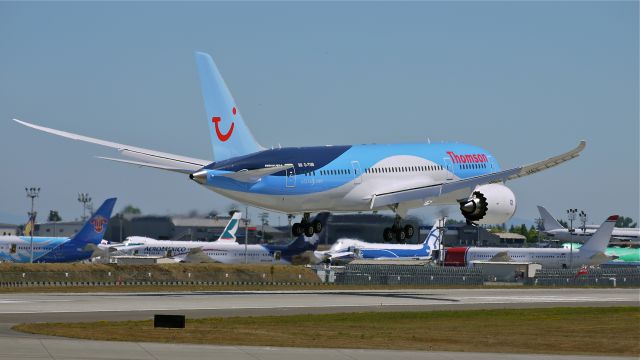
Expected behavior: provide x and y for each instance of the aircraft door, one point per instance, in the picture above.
(357, 172)
(291, 177)
(14, 249)
(277, 256)
(449, 167)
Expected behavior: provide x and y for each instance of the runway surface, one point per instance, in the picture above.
(15, 308)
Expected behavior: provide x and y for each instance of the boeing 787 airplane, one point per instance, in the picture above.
(305, 180)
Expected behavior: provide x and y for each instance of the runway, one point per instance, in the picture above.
(15, 308)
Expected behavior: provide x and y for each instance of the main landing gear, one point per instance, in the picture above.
(397, 232)
(306, 227)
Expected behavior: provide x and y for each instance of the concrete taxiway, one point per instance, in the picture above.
(15, 308)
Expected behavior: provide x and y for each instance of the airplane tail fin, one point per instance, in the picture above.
(83, 244)
(548, 221)
(28, 228)
(229, 233)
(599, 241)
(229, 134)
(93, 230)
(435, 234)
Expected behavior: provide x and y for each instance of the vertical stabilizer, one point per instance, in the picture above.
(230, 136)
(82, 245)
(548, 221)
(435, 234)
(229, 233)
(599, 241)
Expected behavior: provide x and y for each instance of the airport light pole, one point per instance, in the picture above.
(246, 231)
(583, 220)
(571, 215)
(32, 193)
(264, 218)
(84, 198)
(539, 226)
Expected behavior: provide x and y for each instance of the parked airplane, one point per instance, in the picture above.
(591, 253)
(618, 254)
(226, 250)
(345, 250)
(144, 246)
(303, 180)
(59, 249)
(554, 229)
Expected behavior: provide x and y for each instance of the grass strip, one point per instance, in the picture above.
(569, 330)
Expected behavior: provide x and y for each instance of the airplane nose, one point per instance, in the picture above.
(200, 177)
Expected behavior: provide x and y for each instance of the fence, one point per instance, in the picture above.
(606, 277)
(407, 275)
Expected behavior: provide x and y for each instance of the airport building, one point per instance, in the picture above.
(174, 228)
(8, 229)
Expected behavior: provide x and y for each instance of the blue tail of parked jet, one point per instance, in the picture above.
(82, 245)
(229, 134)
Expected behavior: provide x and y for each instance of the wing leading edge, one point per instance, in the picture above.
(429, 192)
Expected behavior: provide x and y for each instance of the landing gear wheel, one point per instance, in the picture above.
(400, 235)
(387, 235)
(409, 231)
(308, 230)
(317, 226)
(297, 229)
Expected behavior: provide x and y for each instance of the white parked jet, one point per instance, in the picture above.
(591, 253)
(224, 250)
(350, 249)
(554, 229)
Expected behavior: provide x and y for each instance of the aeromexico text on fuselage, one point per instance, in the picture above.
(328, 167)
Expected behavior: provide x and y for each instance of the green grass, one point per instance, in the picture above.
(596, 331)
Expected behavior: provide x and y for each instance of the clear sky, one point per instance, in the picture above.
(525, 80)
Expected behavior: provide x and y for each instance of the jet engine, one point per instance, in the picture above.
(489, 204)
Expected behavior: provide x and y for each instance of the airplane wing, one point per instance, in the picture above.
(501, 257)
(252, 176)
(150, 158)
(195, 255)
(330, 256)
(428, 192)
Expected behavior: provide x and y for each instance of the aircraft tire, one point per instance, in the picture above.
(317, 226)
(401, 236)
(409, 231)
(308, 230)
(296, 229)
(387, 235)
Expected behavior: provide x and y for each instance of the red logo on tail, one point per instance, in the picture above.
(221, 136)
(98, 223)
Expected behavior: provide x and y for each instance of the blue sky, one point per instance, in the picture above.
(526, 80)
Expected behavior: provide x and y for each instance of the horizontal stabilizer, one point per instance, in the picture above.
(140, 163)
(169, 161)
(252, 176)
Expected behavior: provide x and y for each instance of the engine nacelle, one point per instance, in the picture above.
(489, 204)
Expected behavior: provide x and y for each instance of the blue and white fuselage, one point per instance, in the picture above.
(350, 249)
(344, 178)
